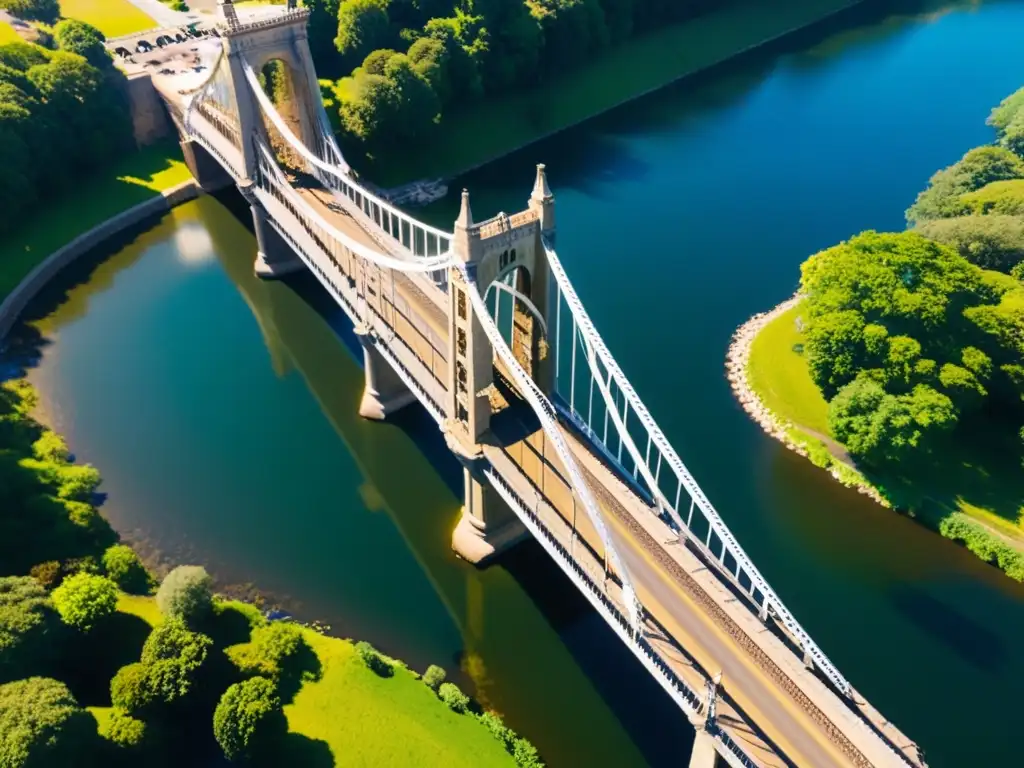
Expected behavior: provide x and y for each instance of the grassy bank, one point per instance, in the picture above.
(138, 177)
(111, 17)
(637, 66)
(970, 489)
(340, 712)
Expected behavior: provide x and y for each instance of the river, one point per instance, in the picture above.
(221, 410)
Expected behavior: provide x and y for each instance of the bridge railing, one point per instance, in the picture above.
(622, 428)
(419, 240)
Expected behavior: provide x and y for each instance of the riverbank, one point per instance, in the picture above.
(637, 67)
(140, 177)
(770, 379)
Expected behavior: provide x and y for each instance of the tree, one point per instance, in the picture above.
(363, 26)
(21, 55)
(450, 694)
(46, 11)
(434, 676)
(514, 41)
(993, 242)
(980, 166)
(1007, 111)
(125, 568)
(124, 730)
(247, 717)
(418, 106)
(429, 57)
(84, 39)
(573, 30)
(84, 599)
(186, 593)
(27, 624)
(131, 688)
(323, 27)
(41, 724)
(369, 106)
(464, 45)
(172, 655)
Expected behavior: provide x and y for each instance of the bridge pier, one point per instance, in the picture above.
(384, 391)
(703, 754)
(274, 257)
(205, 169)
(487, 526)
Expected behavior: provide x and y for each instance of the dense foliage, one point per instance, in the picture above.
(84, 599)
(186, 593)
(410, 61)
(63, 113)
(248, 714)
(125, 568)
(27, 621)
(905, 337)
(41, 724)
(450, 694)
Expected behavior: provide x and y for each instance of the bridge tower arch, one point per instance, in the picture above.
(505, 245)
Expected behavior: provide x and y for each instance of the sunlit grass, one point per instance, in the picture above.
(91, 201)
(111, 17)
(7, 33)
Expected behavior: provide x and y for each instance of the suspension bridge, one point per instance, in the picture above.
(482, 327)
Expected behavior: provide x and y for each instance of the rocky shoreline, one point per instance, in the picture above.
(736, 360)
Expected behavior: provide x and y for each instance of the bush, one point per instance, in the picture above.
(172, 654)
(46, 11)
(124, 730)
(525, 754)
(27, 620)
(41, 724)
(123, 566)
(450, 694)
(434, 676)
(269, 650)
(131, 689)
(51, 447)
(371, 658)
(245, 717)
(498, 729)
(186, 593)
(984, 544)
(84, 599)
(48, 574)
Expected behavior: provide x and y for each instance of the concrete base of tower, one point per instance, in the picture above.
(376, 407)
(476, 542)
(272, 269)
(703, 754)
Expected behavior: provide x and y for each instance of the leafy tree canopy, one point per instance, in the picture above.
(248, 715)
(980, 166)
(26, 619)
(84, 599)
(41, 724)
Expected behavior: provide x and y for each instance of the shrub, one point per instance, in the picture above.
(525, 754)
(173, 653)
(83, 599)
(984, 544)
(41, 724)
(77, 481)
(51, 447)
(48, 574)
(131, 688)
(124, 730)
(450, 694)
(434, 676)
(995, 241)
(271, 647)
(85, 564)
(371, 658)
(498, 729)
(245, 717)
(27, 619)
(186, 593)
(123, 566)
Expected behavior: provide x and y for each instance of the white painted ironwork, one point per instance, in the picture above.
(605, 371)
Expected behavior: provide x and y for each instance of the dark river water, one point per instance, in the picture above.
(221, 410)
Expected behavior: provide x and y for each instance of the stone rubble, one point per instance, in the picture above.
(736, 360)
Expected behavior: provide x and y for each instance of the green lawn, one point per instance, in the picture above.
(637, 66)
(138, 177)
(778, 372)
(367, 720)
(111, 17)
(7, 33)
(340, 712)
(977, 470)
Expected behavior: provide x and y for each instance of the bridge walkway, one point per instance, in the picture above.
(520, 453)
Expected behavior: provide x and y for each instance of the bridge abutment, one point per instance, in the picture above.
(384, 391)
(274, 257)
(488, 526)
(205, 169)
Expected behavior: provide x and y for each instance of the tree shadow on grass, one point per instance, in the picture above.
(94, 658)
(227, 626)
(295, 749)
(301, 667)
